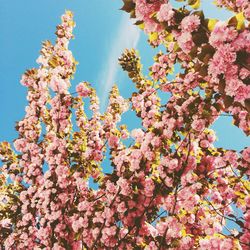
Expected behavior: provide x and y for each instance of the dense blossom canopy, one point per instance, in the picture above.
(171, 188)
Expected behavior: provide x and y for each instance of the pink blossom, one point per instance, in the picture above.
(5, 223)
(221, 33)
(149, 187)
(113, 141)
(57, 84)
(137, 134)
(27, 81)
(246, 154)
(173, 164)
(185, 42)
(20, 145)
(190, 23)
(82, 89)
(121, 207)
(198, 125)
(165, 13)
(242, 93)
(124, 185)
(77, 245)
(171, 169)
(204, 144)
(143, 10)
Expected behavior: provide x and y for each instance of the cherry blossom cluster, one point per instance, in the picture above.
(170, 187)
(237, 6)
(213, 53)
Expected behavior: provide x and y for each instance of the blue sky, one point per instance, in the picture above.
(101, 34)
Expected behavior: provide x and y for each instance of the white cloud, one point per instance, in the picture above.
(127, 36)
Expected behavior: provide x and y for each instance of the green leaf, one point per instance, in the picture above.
(211, 23)
(153, 36)
(241, 19)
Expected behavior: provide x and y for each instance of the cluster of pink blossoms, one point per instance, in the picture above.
(164, 64)
(236, 6)
(217, 51)
(171, 188)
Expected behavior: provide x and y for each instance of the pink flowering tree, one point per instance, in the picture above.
(169, 189)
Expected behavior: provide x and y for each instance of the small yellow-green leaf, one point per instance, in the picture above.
(153, 36)
(169, 37)
(240, 18)
(195, 4)
(211, 24)
(141, 26)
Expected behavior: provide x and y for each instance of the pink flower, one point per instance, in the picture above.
(121, 208)
(186, 243)
(27, 217)
(246, 154)
(124, 185)
(56, 246)
(136, 154)
(77, 245)
(134, 165)
(242, 41)
(152, 230)
(165, 13)
(223, 62)
(97, 155)
(231, 157)
(161, 227)
(138, 134)
(204, 143)
(111, 187)
(198, 125)
(57, 84)
(173, 164)
(151, 26)
(190, 23)
(185, 42)
(143, 10)
(244, 73)
(20, 145)
(242, 93)
(107, 213)
(221, 33)
(82, 89)
(149, 187)
(27, 81)
(113, 141)
(84, 206)
(77, 224)
(5, 223)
